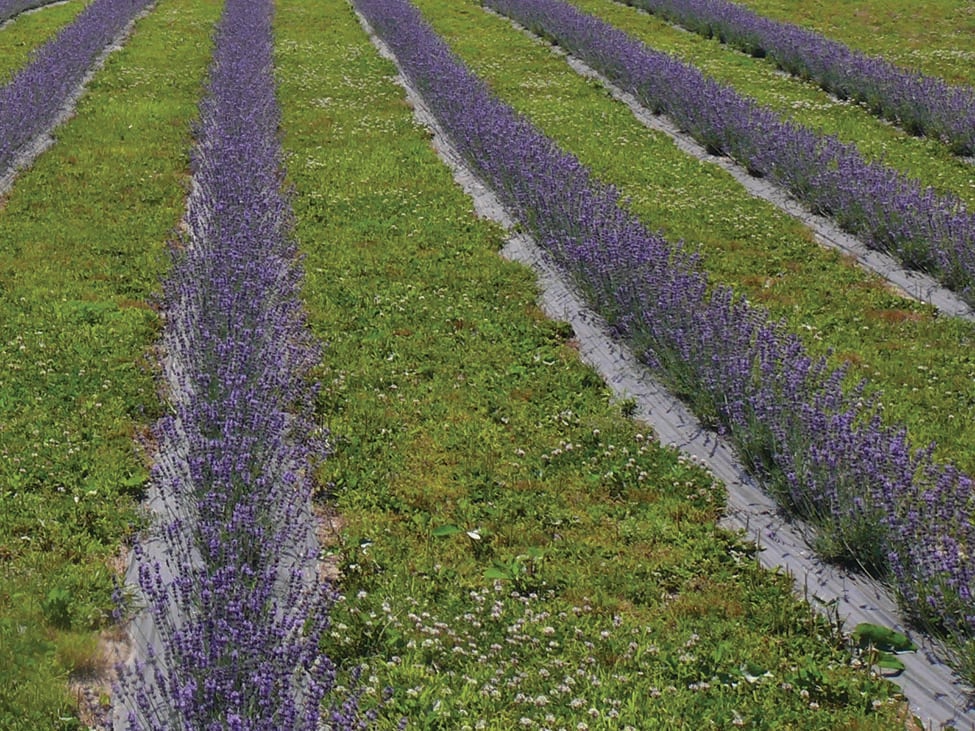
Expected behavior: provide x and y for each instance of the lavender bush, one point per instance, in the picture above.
(922, 105)
(814, 438)
(234, 606)
(34, 97)
(10, 8)
(889, 211)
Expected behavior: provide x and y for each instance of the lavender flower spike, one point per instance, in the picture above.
(233, 607)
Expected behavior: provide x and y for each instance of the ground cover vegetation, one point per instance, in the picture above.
(31, 100)
(885, 209)
(922, 105)
(236, 605)
(30, 31)
(815, 442)
(82, 253)
(934, 38)
(514, 552)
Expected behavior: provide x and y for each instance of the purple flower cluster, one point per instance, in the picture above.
(816, 440)
(10, 8)
(891, 212)
(234, 605)
(34, 97)
(922, 105)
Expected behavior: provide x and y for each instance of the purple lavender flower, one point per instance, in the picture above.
(234, 609)
(922, 105)
(33, 98)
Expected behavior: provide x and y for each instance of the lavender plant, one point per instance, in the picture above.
(32, 100)
(10, 8)
(889, 211)
(234, 605)
(922, 105)
(815, 440)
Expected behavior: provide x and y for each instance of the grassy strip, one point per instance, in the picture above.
(935, 36)
(519, 554)
(30, 31)
(921, 362)
(82, 253)
(929, 161)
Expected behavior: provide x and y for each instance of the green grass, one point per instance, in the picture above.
(930, 162)
(934, 36)
(29, 31)
(82, 253)
(921, 362)
(512, 547)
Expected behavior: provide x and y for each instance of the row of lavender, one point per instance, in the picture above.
(10, 8)
(234, 609)
(922, 105)
(820, 447)
(32, 100)
(889, 211)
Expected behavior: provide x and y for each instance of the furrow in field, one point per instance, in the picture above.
(816, 443)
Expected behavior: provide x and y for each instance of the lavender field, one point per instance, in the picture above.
(285, 444)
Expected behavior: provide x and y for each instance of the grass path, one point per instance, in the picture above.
(82, 252)
(493, 500)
